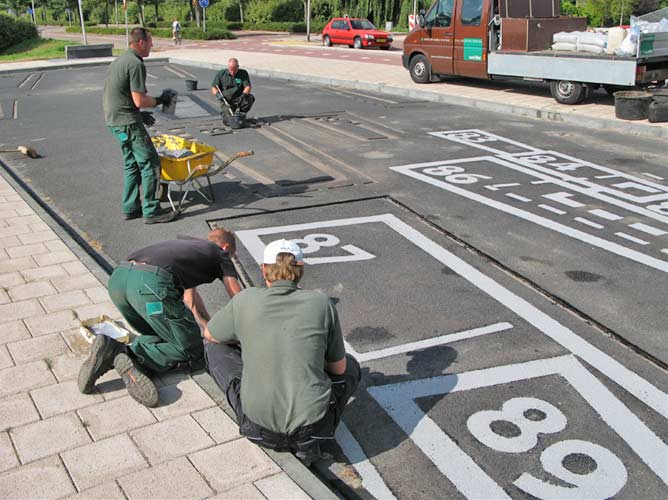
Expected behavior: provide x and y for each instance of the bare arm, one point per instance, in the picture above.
(143, 100)
(193, 301)
(209, 337)
(247, 90)
(232, 286)
(336, 367)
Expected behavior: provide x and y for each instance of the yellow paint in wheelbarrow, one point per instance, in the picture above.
(178, 169)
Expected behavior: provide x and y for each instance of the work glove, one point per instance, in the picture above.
(148, 118)
(166, 97)
(219, 96)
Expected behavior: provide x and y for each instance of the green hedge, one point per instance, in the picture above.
(187, 33)
(13, 31)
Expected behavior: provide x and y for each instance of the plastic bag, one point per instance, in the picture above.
(593, 49)
(571, 47)
(566, 37)
(587, 38)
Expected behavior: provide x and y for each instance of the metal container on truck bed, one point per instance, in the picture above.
(527, 35)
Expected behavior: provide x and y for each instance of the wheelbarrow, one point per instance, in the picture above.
(187, 173)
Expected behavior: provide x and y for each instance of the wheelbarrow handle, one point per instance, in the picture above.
(235, 156)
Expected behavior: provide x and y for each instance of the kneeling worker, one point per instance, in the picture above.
(278, 355)
(233, 85)
(155, 291)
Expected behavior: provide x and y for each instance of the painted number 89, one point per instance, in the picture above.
(530, 417)
(455, 175)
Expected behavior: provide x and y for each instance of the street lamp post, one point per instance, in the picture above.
(308, 20)
(83, 26)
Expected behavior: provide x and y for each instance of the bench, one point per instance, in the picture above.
(83, 51)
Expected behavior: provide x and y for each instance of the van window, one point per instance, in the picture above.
(471, 12)
(440, 14)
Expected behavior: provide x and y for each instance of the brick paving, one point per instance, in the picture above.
(58, 443)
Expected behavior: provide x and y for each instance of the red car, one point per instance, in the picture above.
(355, 33)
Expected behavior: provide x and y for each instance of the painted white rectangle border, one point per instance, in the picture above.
(628, 253)
(467, 476)
(611, 368)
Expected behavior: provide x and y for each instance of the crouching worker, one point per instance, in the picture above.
(278, 354)
(232, 87)
(155, 291)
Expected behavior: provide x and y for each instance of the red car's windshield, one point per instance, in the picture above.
(362, 24)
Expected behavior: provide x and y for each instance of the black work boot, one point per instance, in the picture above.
(99, 362)
(140, 386)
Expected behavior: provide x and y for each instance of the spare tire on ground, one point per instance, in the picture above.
(632, 104)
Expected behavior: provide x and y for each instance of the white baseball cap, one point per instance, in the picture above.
(282, 246)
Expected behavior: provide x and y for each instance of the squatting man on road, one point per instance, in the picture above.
(278, 354)
(156, 292)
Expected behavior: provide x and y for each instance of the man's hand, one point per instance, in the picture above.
(219, 96)
(166, 97)
(148, 118)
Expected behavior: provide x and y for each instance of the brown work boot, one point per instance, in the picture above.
(99, 362)
(140, 386)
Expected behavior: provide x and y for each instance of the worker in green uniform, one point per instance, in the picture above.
(278, 355)
(155, 291)
(124, 95)
(233, 85)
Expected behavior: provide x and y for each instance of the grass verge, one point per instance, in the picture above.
(36, 48)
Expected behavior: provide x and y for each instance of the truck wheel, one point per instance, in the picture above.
(357, 43)
(567, 92)
(419, 69)
(326, 41)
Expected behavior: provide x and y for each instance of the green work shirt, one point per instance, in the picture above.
(286, 335)
(125, 75)
(231, 86)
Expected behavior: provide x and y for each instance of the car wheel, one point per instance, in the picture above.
(326, 41)
(419, 69)
(567, 92)
(357, 43)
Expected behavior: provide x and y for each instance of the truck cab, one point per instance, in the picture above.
(452, 39)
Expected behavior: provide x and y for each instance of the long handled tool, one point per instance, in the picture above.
(25, 150)
(227, 106)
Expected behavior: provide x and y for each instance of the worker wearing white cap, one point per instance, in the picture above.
(278, 355)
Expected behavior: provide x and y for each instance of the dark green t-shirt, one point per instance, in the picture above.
(231, 86)
(286, 335)
(125, 75)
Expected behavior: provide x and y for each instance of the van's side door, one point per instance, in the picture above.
(471, 38)
(438, 36)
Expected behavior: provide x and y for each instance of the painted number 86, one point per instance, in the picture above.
(455, 175)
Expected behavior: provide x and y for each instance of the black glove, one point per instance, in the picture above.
(165, 98)
(148, 118)
(219, 96)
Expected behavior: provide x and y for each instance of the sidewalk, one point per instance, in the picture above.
(56, 442)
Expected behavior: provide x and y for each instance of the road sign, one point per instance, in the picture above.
(204, 3)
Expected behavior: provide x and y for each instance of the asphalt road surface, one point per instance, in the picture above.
(502, 281)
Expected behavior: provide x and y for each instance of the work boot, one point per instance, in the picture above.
(99, 362)
(140, 387)
(160, 217)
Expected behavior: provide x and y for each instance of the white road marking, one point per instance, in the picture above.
(371, 480)
(411, 171)
(541, 182)
(424, 344)
(552, 209)
(653, 176)
(608, 176)
(172, 70)
(654, 231)
(564, 198)
(399, 401)
(604, 214)
(664, 250)
(495, 187)
(151, 76)
(635, 185)
(632, 238)
(588, 222)
(518, 197)
(608, 366)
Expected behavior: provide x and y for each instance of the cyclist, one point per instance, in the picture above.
(176, 32)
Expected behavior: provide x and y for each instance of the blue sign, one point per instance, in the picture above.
(204, 3)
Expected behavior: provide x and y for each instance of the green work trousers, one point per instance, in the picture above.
(141, 168)
(153, 306)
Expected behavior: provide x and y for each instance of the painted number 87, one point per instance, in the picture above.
(530, 417)
(455, 175)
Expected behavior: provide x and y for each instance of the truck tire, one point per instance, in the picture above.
(357, 43)
(658, 111)
(326, 41)
(419, 69)
(567, 92)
